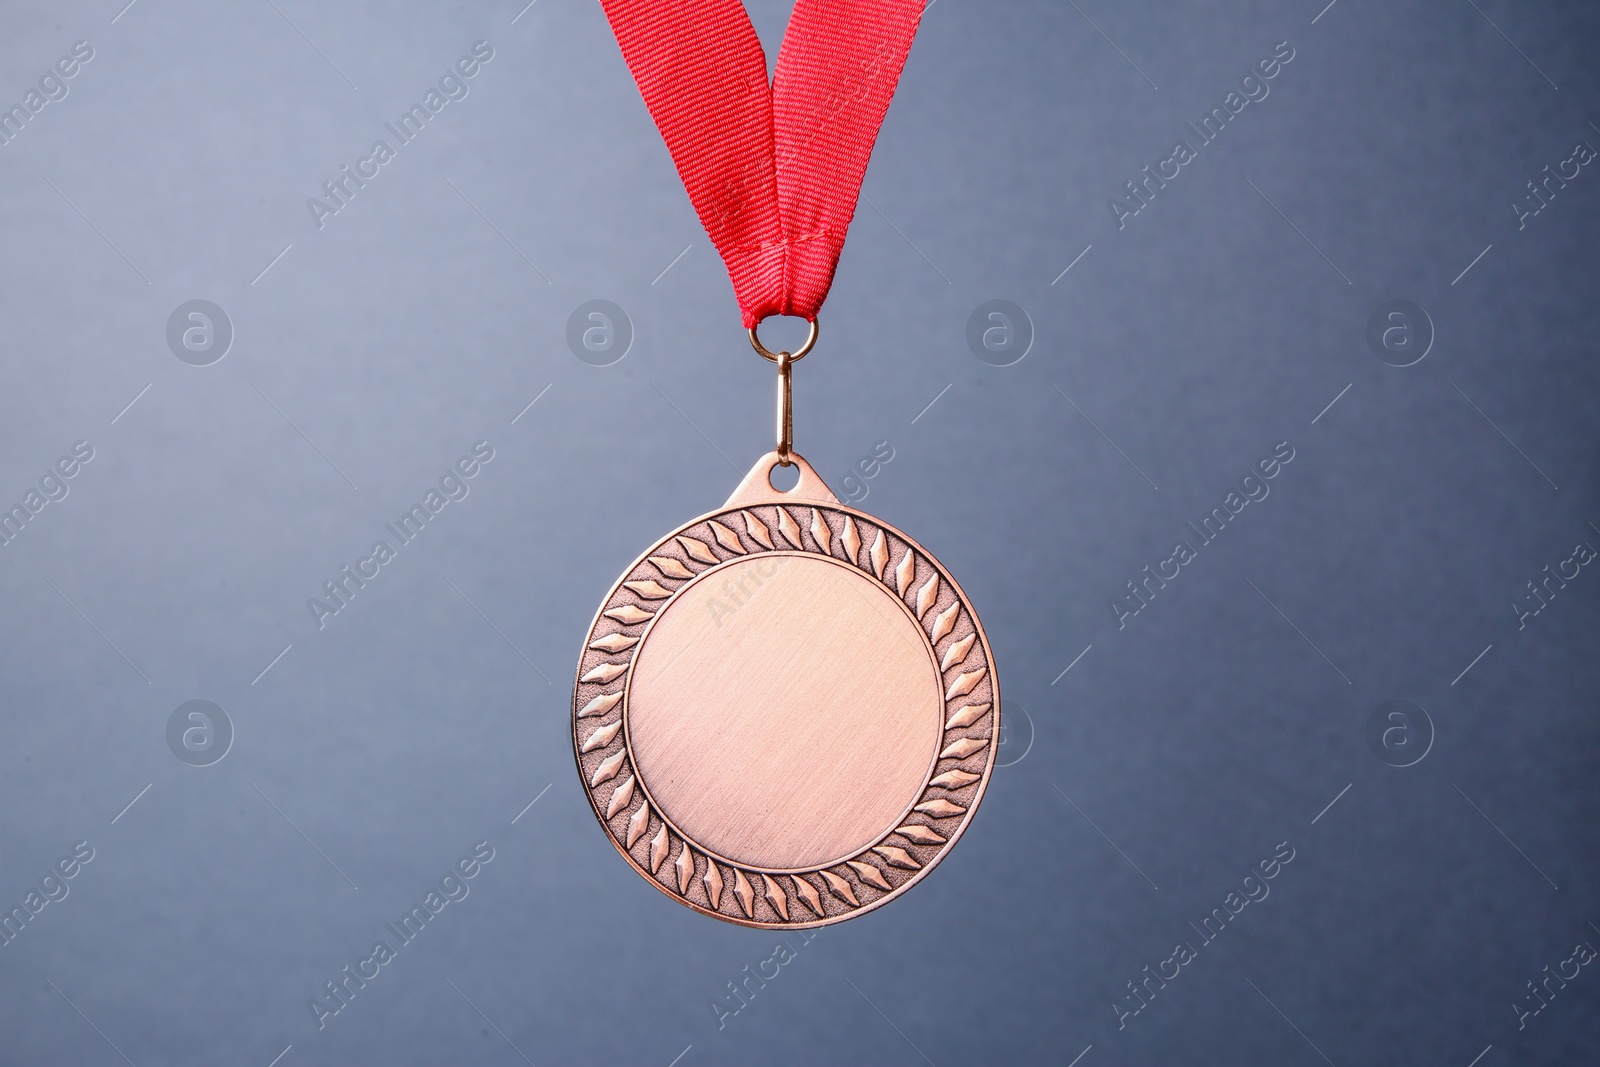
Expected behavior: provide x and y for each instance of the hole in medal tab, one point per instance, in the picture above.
(782, 478)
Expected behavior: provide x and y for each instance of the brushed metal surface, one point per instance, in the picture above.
(785, 710)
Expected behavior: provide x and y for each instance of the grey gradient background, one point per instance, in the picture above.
(1174, 753)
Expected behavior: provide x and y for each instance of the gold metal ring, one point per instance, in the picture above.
(794, 357)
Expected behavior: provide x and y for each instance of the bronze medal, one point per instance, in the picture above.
(786, 710)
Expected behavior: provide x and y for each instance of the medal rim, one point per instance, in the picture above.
(777, 499)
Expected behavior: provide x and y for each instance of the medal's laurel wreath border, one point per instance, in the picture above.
(679, 867)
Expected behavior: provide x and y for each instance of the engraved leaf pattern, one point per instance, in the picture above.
(904, 573)
(944, 622)
(757, 530)
(726, 537)
(897, 856)
(840, 888)
(808, 893)
(967, 716)
(602, 737)
(685, 868)
(604, 673)
(870, 874)
(608, 769)
(628, 614)
(621, 798)
(658, 848)
(965, 683)
(880, 555)
(927, 594)
(957, 651)
(850, 539)
(672, 568)
(614, 643)
(650, 589)
(638, 823)
(746, 895)
(775, 896)
(713, 881)
(820, 531)
(957, 779)
(697, 549)
(922, 835)
(787, 527)
(600, 705)
(940, 809)
(963, 748)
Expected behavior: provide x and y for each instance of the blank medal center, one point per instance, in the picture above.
(784, 711)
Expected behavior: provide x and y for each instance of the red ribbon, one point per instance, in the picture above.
(773, 171)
